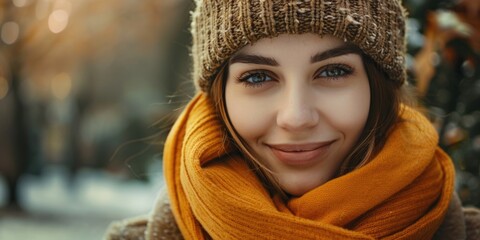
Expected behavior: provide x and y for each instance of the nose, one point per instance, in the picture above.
(297, 111)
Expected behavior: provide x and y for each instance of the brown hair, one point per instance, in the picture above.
(386, 97)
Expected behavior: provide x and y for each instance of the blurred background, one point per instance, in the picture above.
(88, 90)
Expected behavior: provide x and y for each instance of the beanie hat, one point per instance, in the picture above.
(222, 27)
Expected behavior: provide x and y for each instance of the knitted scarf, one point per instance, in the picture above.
(403, 193)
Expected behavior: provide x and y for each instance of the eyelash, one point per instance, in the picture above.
(268, 76)
(344, 69)
(244, 78)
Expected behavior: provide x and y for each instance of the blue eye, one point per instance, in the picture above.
(256, 78)
(334, 71)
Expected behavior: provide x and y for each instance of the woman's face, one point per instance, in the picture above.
(299, 102)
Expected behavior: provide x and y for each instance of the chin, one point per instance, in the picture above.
(297, 192)
(299, 189)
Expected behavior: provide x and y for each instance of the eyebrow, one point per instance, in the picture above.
(261, 60)
(255, 59)
(335, 52)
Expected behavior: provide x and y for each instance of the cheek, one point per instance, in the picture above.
(349, 111)
(249, 116)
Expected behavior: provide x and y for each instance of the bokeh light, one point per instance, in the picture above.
(58, 20)
(10, 32)
(21, 3)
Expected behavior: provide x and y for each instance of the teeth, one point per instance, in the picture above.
(296, 150)
(299, 150)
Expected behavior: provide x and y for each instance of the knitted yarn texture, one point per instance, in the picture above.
(221, 27)
(402, 193)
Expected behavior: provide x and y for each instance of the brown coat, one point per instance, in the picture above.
(460, 223)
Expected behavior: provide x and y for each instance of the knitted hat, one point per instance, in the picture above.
(222, 27)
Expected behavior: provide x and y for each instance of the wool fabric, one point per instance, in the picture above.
(221, 27)
(402, 193)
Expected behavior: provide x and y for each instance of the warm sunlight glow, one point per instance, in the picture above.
(58, 20)
(61, 86)
(10, 32)
(41, 9)
(63, 4)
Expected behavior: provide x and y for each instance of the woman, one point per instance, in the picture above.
(300, 130)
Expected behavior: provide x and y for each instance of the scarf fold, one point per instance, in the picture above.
(403, 193)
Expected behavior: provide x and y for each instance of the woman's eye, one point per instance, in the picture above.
(255, 78)
(334, 71)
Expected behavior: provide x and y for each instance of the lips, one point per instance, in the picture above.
(300, 154)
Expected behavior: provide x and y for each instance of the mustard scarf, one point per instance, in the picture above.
(403, 193)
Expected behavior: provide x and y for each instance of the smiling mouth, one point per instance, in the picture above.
(300, 154)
